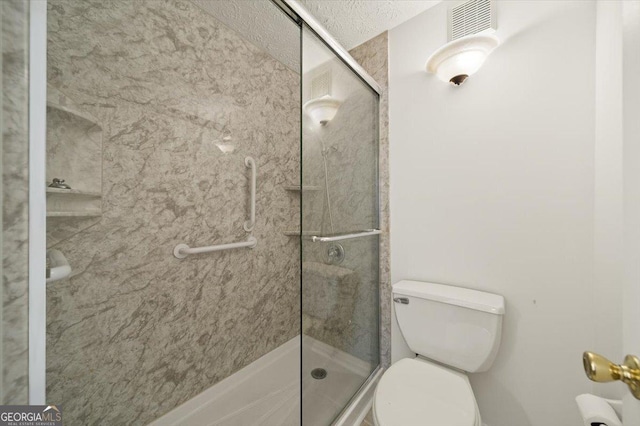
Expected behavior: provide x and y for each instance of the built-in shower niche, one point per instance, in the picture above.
(74, 154)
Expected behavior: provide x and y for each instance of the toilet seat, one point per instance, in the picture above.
(416, 392)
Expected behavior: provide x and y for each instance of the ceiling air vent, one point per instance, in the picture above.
(471, 17)
(321, 85)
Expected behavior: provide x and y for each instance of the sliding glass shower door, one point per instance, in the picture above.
(151, 109)
(339, 223)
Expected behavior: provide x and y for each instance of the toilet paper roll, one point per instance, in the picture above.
(596, 411)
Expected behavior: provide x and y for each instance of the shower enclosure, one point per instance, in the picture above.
(340, 228)
(192, 123)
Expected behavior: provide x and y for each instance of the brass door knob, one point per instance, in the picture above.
(600, 369)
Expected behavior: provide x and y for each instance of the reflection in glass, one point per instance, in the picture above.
(339, 279)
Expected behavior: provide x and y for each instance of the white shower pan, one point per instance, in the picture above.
(267, 391)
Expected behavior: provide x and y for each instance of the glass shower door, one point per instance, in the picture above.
(339, 222)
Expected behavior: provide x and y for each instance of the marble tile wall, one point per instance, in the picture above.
(373, 56)
(15, 199)
(135, 331)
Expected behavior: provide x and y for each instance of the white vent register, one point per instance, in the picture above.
(471, 17)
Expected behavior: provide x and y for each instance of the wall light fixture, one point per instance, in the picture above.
(323, 109)
(458, 59)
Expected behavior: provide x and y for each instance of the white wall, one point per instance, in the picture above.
(493, 188)
(631, 133)
(608, 261)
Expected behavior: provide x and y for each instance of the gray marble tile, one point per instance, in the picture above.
(135, 332)
(15, 183)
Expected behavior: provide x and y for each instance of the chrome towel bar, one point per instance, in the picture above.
(340, 237)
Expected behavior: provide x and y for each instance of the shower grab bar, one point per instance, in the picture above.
(328, 239)
(182, 250)
(251, 223)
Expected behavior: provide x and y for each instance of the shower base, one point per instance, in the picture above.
(267, 391)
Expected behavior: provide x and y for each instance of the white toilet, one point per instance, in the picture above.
(453, 330)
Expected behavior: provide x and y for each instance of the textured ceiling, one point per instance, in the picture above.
(261, 23)
(351, 22)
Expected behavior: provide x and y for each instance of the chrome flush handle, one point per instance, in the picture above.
(401, 300)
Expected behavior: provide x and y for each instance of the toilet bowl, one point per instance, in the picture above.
(416, 392)
(452, 330)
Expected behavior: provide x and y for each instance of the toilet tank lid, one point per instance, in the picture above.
(464, 297)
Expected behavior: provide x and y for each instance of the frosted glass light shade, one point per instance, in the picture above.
(457, 60)
(322, 110)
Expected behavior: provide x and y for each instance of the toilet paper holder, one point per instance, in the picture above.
(597, 411)
(600, 369)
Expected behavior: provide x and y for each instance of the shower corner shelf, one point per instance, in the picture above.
(58, 101)
(304, 188)
(74, 192)
(74, 154)
(73, 203)
(86, 213)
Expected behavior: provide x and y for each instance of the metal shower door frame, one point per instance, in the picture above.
(302, 17)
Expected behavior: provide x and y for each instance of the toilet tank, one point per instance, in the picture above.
(455, 326)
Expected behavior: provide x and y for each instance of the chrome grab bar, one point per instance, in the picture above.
(249, 224)
(182, 250)
(328, 239)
